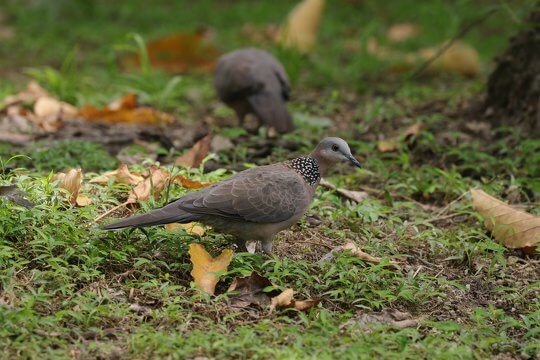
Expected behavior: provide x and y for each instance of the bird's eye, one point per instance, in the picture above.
(335, 147)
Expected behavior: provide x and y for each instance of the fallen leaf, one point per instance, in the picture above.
(285, 299)
(155, 183)
(306, 304)
(190, 228)
(122, 175)
(32, 92)
(260, 34)
(459, 58)
(195, 156)
(206, 270)
(179, 52)
(126, 110)
(300, 29)
(403, 31)
(249, 291)
(387, 145)
(71, 181)
(83, 200)
(391, 144)
(514, 228)
(48, 106)
(13, 194)
(357, 196)
(412, 130)
(390, 317)
(220, 143)
(191, 184)
(356, 251)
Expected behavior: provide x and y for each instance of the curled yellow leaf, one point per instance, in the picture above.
(206, 270)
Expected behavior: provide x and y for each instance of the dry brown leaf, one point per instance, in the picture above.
(412, 130)
(387, 145)
(220, 143)
(249, 291)
(390, 317)
(300, 29)
(32, 92)
(459, 58)
(356, 251)
(155, 183)
(284, 299)
(125, 110)
(83, 200)
(191, 184)
(71, 181)
(195, 156)
(190, 228)
(47, 114)
(306, 304)
(260, 34)
(357, 196)
(179, 52)
(48, 106)
(514, 228)
(391, 144)
(122, 175)
(206, 270)
(401, 32)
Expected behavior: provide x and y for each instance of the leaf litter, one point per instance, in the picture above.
(178, 52)
(259, 290)
(512, 227)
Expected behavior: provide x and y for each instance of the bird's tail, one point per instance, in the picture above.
(272, 111)
(165, 215)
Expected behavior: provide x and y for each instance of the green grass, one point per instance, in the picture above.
(68, 290)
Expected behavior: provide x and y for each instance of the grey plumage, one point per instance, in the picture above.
(254, 204)
(253, 81)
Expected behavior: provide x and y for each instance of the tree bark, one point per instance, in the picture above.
(513, 89)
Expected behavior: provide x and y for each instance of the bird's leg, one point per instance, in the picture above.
(267, 247)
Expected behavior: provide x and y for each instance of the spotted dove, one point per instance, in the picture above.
(254, 204)
(252, 81)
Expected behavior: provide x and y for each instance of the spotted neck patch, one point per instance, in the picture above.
(307, 167)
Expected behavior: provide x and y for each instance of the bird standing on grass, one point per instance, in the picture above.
(252, 81)
(254, 204)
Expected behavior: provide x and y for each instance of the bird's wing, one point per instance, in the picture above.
(262, 195)
(248, 72)
(236, 77)
(283, 79)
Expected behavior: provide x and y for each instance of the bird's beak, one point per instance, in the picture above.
(354, 161)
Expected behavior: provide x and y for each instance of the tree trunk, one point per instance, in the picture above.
(513, 89)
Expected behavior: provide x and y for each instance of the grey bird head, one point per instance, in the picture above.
(332, 150)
